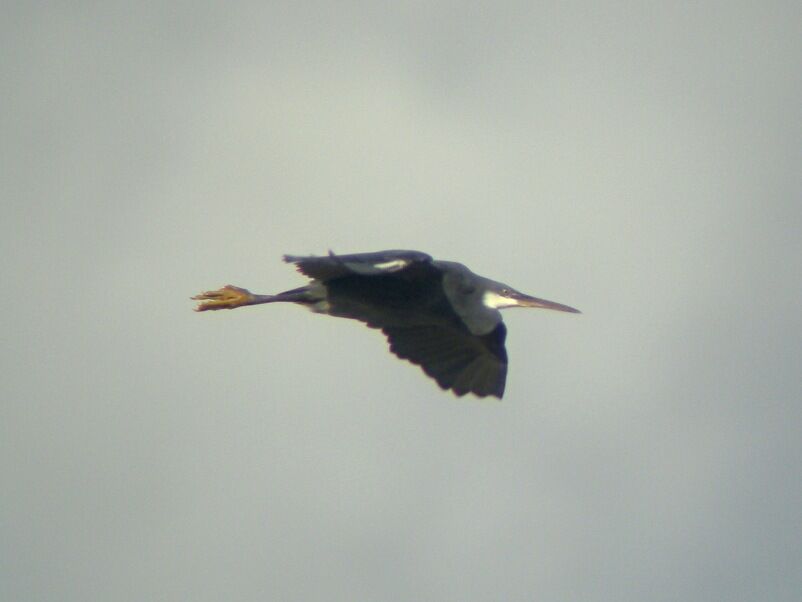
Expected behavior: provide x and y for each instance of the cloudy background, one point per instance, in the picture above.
(640, 161)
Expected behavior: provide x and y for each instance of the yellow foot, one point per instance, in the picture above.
(228, 297)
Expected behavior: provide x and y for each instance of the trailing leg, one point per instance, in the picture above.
(231, 297)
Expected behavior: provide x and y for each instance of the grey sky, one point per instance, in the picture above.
(639, 161)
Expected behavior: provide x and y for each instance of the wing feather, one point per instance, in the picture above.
(455, 358)
(362, 264)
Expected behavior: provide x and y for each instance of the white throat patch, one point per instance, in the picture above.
(496, 301)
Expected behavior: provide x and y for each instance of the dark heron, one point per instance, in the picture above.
(437, 314)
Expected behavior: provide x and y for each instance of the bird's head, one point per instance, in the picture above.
(500, 296)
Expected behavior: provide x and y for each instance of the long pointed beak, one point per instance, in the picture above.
(527, 301)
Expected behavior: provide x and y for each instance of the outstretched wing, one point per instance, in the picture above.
(401, 292)
(362, 264)
(455, 358)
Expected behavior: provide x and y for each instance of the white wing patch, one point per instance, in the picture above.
(374, 268)
(395, 264)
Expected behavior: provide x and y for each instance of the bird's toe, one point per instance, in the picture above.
(227, 297)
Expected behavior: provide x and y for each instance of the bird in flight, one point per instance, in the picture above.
(436, 314)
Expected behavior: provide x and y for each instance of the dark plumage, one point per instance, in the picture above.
(436, 314)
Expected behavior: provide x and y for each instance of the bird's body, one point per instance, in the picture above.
(437, 314)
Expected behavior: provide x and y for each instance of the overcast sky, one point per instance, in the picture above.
(639, 161)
